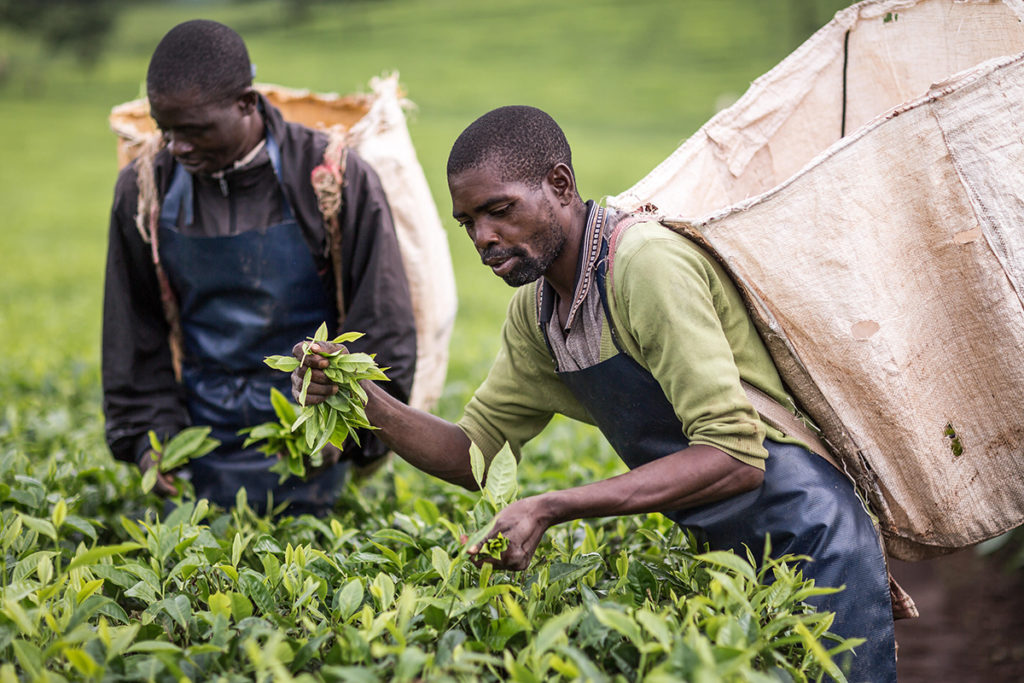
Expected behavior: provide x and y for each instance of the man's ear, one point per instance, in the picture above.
(247, 101)
(562, 183)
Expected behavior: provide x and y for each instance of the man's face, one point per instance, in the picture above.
(204, 136)
(513, 226)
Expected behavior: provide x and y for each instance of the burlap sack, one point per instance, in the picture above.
(376, 128)
(885, 269)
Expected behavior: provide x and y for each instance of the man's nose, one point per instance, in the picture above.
(178, 146)
(484, 236)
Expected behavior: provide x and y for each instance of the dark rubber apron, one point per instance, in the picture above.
(243, 297)
(805, 504)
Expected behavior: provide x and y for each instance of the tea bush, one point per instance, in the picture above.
(101, 582)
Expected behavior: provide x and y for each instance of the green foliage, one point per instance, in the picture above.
(188, 444)
(333, 421)
(210, 596)
(95, 586)
(82, 27)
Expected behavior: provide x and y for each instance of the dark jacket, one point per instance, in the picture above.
(140, 391)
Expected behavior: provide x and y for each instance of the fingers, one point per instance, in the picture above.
(515, 557)
(318, 355)
(320, 386)
(164, 486)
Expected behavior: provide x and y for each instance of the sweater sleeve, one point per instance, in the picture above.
(673, 312)
(521, 392)
(377, 298)
(140, 391)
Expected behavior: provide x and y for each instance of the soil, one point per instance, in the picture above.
(971, 626)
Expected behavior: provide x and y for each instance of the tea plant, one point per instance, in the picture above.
(188, 444)
(95, 585)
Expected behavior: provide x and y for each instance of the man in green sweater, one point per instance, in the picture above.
(622, 323)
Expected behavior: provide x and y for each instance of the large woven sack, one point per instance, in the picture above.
(884, 269)
(376, 129)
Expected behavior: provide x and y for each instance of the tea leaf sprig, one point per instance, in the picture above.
(188, 444)
(279, 439)
(499, 487)
(332, 421)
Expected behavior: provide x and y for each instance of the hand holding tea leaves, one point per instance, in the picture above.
(495, 540)
(188, 444)
(330, 421)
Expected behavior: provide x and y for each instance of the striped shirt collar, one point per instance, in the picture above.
(586, 270)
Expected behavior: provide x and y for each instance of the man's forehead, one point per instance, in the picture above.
(189, 99)
(474, 189)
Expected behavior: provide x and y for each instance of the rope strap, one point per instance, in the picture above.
(147, 221)
(327, 179)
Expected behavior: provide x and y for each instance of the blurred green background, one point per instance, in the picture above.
(628, 81)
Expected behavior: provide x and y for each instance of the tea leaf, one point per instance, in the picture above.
(149, 479)
(334, 421)
(89, 557)
(282, 363)
(478, 464)
(306, 379)
(282, 407)
(501, 476)
(219, 604)
(554, 630)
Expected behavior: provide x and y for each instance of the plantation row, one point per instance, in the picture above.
(102, 582)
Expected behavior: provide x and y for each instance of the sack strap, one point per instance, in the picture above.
(328, 179)
(147, 221)
(774, 414)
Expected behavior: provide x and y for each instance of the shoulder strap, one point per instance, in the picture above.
(147, 221)
(328, 179)
(771, 411)
(781, 418)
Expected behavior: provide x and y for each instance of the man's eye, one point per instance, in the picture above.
(501, 210)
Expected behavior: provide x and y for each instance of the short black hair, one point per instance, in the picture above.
(203, 56)
(525, 143)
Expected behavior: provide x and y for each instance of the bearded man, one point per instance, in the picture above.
(622, 323)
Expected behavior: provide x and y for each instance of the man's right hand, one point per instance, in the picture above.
(164, 486)
(320, 387)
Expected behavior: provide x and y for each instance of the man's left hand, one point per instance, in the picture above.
(523, 523)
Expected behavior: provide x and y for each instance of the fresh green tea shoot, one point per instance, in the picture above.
(188, 444)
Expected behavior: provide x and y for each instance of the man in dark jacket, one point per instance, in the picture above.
(235, 262)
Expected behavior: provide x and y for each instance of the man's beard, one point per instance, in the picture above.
(529, 268)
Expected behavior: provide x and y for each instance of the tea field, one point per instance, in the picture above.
(99, 581)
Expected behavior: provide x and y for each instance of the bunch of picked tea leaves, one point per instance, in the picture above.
(279, 439)
(332, 421)
(188, 444)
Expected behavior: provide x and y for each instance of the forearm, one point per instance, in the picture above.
(427, 442)
(694, 476)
